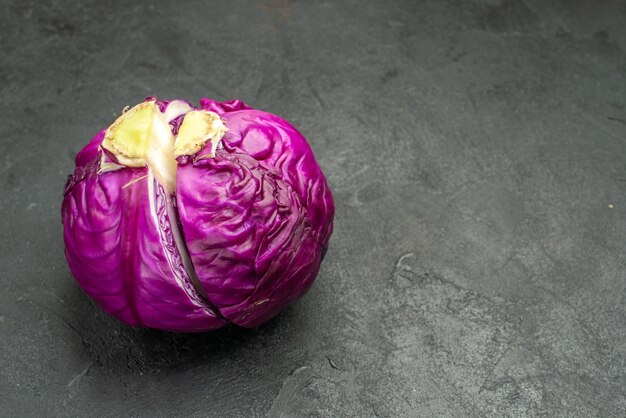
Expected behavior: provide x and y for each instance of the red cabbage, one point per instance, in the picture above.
(186, 218)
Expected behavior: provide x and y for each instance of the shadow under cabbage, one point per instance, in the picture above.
(118, 348)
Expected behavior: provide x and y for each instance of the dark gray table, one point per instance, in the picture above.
(476, 150)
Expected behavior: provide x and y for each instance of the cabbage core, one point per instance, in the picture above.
(142, 136)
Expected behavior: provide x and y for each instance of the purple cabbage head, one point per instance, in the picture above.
(185, 218)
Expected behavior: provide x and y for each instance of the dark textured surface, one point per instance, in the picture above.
(476, 150)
